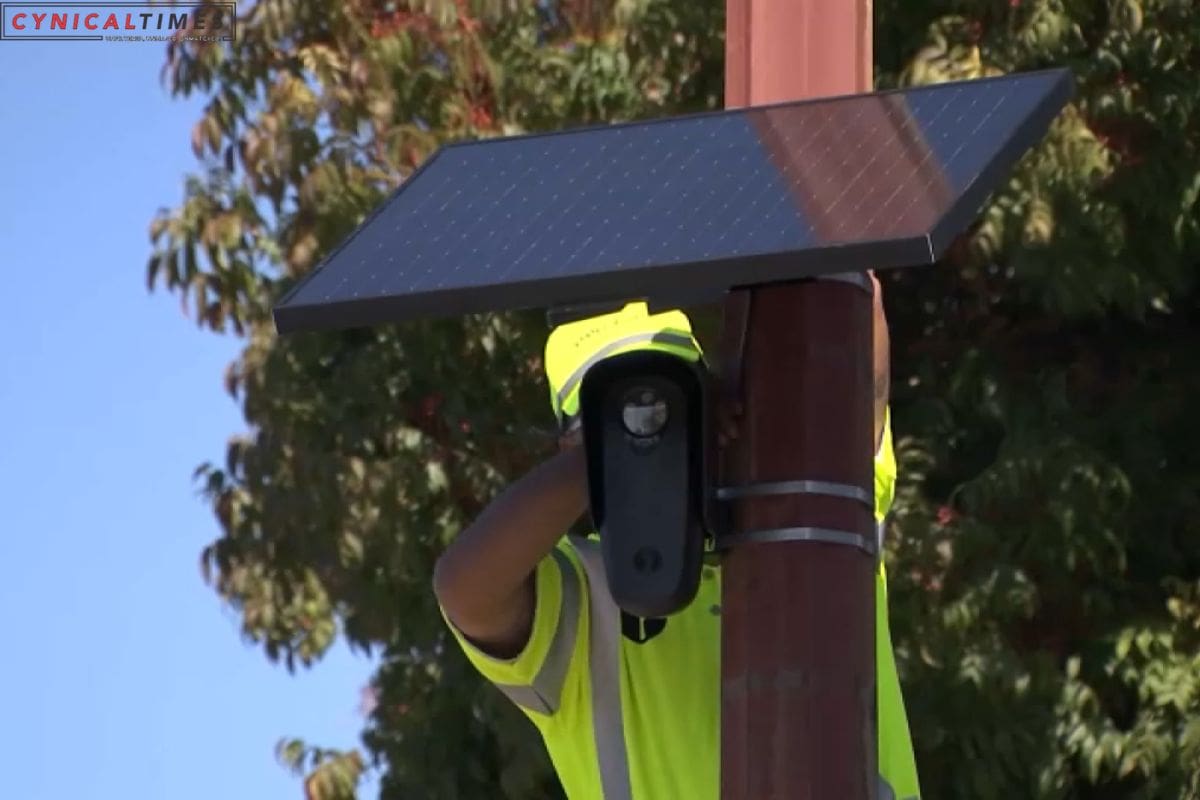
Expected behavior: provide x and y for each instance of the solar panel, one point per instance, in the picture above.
(682, 207)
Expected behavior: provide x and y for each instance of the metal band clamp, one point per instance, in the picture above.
(827, 488)
(867, 544)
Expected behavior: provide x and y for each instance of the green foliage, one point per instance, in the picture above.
(329, 774)
(1046, 560)
(1048, 547)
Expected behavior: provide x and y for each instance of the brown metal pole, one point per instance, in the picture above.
(798, 668)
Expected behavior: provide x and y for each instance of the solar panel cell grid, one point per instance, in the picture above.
(704, 202)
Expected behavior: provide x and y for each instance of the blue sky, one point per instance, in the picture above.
(121, 674)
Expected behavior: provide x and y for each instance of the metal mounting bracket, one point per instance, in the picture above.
(846, 491)
(827, 488)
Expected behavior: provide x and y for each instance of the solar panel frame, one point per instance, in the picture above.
(967, 205)
(688, 281)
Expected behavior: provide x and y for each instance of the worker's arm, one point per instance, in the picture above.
(881, 359)
(484, 581)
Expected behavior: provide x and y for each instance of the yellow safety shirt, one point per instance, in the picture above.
(629, 709)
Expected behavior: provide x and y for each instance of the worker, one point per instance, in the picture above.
(628, 708)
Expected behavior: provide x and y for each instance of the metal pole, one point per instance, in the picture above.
(798, 668)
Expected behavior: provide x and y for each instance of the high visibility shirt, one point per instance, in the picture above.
(629, 709)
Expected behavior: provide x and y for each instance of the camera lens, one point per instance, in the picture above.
(644, 412)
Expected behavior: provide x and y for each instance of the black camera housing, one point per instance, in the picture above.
(647, 492)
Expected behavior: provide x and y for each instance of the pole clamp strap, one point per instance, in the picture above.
(868, 544)
(827, 488)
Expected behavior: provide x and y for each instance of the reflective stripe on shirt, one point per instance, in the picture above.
(545, 693)
(604, 663)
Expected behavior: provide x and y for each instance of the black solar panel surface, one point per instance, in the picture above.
(681, 206)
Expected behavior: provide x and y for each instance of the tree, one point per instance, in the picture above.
(1045, 602)
(1045, 567)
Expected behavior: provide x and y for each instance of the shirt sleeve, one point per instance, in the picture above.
(534, 678)
(885, 470)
